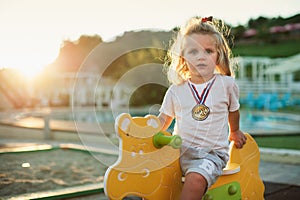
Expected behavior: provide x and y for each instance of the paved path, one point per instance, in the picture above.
(282, 173)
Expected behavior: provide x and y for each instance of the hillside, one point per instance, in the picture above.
(133, 48)
(102, 54)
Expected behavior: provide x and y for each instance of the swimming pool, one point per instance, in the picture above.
(270, 122)
(252, 122)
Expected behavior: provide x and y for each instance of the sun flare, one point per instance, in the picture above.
(28, 60)
(30, 72)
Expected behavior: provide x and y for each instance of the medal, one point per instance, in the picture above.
(200, 112)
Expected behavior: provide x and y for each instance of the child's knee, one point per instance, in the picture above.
(196, 179)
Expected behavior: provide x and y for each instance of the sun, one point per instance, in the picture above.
(29, 62)
(29, 54)
(30, 72)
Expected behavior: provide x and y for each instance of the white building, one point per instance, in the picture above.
(266, 75)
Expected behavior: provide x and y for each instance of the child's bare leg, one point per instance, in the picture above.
(194, 187)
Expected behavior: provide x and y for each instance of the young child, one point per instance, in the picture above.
(203, 99)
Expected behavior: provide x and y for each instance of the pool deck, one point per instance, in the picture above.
(279, 168)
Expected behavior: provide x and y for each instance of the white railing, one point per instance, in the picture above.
(258, 87)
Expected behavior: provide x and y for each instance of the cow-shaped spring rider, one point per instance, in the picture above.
(148, 165)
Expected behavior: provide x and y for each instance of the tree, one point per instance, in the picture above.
(73, 53)
(238, 31)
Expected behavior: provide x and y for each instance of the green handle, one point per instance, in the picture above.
(160, 140)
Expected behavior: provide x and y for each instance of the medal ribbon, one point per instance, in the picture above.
(201, 99)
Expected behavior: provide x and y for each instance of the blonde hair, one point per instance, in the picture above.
(177, 70)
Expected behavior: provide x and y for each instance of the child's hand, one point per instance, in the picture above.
(238, 137)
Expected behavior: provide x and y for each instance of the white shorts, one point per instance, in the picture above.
(208, 163)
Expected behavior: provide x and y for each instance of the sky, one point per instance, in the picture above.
(32, 31)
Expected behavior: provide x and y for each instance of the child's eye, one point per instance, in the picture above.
(193, 51)
(209, 51)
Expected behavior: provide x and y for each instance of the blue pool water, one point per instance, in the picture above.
(251, 122)
(260, 122)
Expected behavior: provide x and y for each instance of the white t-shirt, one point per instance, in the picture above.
(211, 133)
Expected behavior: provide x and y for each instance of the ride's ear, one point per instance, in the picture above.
(123, 122)
(153, 121)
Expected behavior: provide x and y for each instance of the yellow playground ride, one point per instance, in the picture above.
(148, 165)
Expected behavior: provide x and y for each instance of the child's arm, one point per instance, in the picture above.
(236, 134)
(165, 121)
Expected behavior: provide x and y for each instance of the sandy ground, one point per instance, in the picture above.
(38, 171)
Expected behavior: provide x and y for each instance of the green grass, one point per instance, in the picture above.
(285, 142)
(282, 49)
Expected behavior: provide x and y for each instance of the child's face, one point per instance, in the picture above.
(200, 55)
